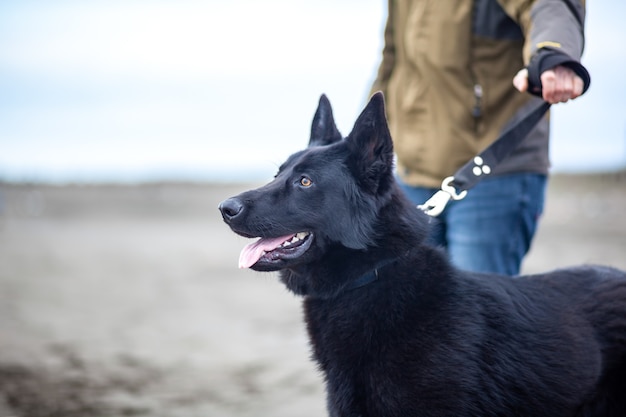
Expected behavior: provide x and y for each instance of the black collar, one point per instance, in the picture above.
(370, 276)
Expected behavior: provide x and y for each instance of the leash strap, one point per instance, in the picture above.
(483, 164)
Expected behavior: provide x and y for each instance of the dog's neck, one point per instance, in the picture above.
(370, 276)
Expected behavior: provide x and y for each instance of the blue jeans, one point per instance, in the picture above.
(491, 229)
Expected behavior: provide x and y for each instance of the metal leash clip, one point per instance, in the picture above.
(437, 203)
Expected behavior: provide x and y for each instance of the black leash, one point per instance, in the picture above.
(455, 187)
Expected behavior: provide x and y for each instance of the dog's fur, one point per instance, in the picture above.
(398, 331)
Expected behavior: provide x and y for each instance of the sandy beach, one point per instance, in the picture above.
(126, 300)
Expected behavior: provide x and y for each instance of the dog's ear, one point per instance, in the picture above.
(371, 148)
(323, 129)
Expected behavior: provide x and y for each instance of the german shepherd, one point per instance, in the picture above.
(394, 327)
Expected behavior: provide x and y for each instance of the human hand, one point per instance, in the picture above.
(558, 84)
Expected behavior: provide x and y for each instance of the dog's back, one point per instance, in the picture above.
(396, 330)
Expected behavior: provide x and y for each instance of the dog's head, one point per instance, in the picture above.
(328, 194)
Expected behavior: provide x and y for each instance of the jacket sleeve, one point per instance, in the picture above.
(389, 55)
(554, 35)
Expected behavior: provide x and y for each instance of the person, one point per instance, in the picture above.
(452, 73)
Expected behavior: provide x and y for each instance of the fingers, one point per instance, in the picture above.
(560, 84)
(520, 81)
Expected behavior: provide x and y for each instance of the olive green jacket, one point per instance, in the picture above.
(447, 71)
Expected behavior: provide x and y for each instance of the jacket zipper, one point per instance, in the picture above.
(477, 110)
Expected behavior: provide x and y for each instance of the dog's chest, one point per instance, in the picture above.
(365, 355)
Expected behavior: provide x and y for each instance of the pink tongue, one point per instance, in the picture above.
(252, 252)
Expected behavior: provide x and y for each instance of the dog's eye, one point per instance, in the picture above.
(306, 182)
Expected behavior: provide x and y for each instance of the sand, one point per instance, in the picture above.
(127, 300)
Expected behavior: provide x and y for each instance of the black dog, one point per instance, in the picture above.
(398, 331)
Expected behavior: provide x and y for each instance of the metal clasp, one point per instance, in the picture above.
(437, 203)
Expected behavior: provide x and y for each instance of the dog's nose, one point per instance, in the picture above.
(230, 208)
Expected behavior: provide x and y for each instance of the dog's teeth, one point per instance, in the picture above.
(298, 237)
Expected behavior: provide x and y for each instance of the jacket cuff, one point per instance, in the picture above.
(547, 58)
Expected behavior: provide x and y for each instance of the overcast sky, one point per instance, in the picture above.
(138, 89)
